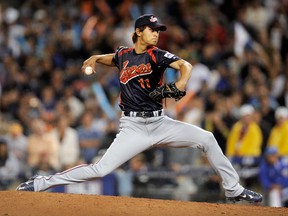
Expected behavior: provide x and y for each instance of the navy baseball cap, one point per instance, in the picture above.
(271, 151)
(149, 20)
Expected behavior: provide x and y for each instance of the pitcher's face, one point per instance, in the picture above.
(150, 36)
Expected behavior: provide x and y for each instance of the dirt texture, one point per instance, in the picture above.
(15, 203)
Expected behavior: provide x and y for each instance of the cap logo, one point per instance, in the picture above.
(153, 19)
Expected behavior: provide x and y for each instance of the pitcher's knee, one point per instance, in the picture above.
(101, 171)
(209, 141)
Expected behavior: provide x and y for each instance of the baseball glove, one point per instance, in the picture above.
(167, 91)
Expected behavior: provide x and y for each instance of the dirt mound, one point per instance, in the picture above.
(15, 203)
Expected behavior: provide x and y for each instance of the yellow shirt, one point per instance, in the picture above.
(279, 138)
(248, 145)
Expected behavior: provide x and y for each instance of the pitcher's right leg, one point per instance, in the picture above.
(131, 140)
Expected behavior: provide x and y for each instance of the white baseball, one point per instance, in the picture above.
(88, 70)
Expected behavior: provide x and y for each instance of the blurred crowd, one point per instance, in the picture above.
(52, 117)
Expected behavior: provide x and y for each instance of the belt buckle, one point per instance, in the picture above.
(143, 114)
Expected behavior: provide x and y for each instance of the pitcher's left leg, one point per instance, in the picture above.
(179, 134)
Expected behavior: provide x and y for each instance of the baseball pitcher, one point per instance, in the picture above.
(143, 123)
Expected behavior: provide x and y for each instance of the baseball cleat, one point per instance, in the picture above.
(247, 195)
(28, 185)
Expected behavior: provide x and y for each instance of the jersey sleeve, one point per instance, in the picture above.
(165, 58)
(116, 55)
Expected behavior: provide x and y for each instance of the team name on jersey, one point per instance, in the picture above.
(128, 73)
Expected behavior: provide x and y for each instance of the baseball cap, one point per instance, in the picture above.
(246, 109)
(149, 20)
(271, 151)
(281, 112)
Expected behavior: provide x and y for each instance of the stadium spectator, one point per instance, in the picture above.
(140, 181)
(273, 175)
(244, 143)
(17, 145)
(68, 140)
(9, 166)
(279, 133)
(179, 161)
(219, 119)
(256, 15)
(17, 142)
(42, 144)
(48, 102)
(89, 137)
(75, 105)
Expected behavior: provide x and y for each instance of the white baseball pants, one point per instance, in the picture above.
(138, 134)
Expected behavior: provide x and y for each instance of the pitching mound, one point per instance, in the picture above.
(29, 203)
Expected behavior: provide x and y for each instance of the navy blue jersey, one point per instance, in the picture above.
(139, 74)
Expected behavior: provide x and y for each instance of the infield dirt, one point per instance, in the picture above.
(14, 203)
